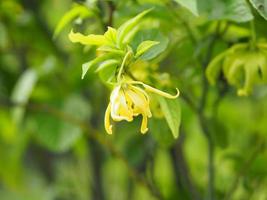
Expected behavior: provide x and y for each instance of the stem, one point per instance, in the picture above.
(203, 120)
(122, 65)
(253, 32)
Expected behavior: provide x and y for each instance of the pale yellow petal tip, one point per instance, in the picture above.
(144, 131)
(177, 94)
(109, 130)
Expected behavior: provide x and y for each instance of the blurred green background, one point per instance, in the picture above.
(52, 140)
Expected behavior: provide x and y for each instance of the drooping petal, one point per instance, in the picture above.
(108, 126)
(124, 110)
(119, 107)
(91, 39)
(156, 91)
(144, 128)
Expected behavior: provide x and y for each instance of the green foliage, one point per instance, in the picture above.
(260, 6)
(77, 11)
(243, 66)
(190, 5)
(172, 113)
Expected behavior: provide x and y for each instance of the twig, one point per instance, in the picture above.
(182, 174)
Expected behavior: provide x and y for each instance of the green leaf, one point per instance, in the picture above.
(90, 39)
(172, 113)
(191, 5)
(152, 35)
(161, 132)
(93, 63)
(126, 28)
(260, 6)
(57, 135)
(111, 35)
(21, 93)
(108, 74)
(110, 50)
(77, 11)
(145, 46)
(106, 64)
(234, 10)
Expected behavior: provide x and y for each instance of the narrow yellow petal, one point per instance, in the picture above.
(144, 128)
(156, 91)
(108, 126)
(161, 93)
(88, 40)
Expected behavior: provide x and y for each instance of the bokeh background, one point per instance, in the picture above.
(52, 141)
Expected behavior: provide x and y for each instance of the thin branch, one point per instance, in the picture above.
(182, 175)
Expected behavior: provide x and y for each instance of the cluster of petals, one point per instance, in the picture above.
(128, 100)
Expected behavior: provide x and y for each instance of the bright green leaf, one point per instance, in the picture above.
(93, 63)
(90, 39)
(125, 28)
(234, 10)
(77, 11)
(260, 6)
(144, 46)
(172, 113)
(152, 34)
(106, 64)
(191, 5)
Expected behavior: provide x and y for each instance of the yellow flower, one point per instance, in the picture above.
(127, 100)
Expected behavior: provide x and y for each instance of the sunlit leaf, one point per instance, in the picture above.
(172, 113)
(77, 11)
(145, 46)
(91, 39)
(125, 28)
(260, 6)
(191, 5)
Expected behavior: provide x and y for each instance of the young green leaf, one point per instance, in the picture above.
(110, 49)
(93, 63)
(172, 113)
(111, 35)
(91, 39)
(145, 46)
(125, 28)
(154, 35)
(106, 64)
(77, 11)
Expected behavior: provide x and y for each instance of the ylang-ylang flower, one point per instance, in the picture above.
(129, 99)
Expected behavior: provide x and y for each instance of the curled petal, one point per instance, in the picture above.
(144, 128)
(91, 39)
(108, 126)
(156, 91)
